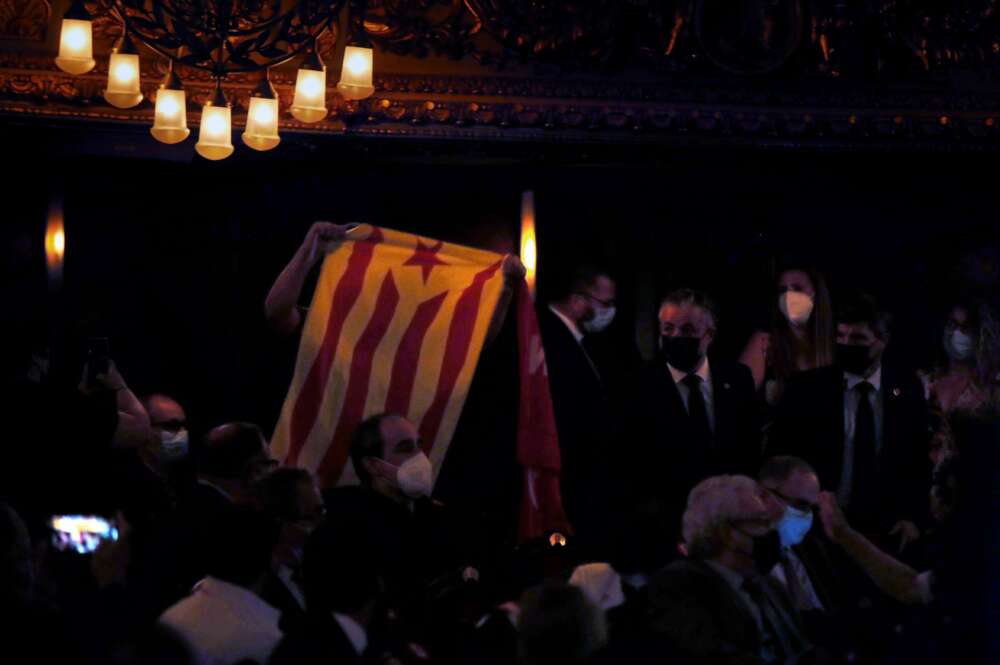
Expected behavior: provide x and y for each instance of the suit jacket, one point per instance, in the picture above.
(276, 594)
(584, 424)
(318, 641)
(692, 605)
(809, 423)
(667, 459)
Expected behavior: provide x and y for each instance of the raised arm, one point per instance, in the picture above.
(281, 304)
(513, 272)
(892, 576)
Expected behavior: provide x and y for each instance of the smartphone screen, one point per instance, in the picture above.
(81, 533)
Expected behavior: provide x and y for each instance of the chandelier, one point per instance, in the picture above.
(222, 37)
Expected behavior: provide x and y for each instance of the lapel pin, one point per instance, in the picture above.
(896, 392)
(726, 386)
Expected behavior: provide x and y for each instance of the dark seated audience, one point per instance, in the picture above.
(291, 499)
(719, 605)
(343, 590)
(170, 558)
(558, 624)
(416, 538)
(224, 620)
(952, 592)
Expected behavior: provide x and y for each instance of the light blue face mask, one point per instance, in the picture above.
(794, 526)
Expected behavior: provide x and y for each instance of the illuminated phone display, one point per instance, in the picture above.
(81, 533)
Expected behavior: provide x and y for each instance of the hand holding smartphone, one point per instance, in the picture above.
(81, 533)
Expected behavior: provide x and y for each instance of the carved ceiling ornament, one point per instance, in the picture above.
(624, 71)
(26, 20)
(887, 39)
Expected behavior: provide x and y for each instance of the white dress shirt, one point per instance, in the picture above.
(707, 394)
(355, 632)
(851, 398)
(286, 575)
(807, 598)
(577, 335)
(223, 624)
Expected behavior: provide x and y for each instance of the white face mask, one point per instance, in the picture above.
(603, 316)
(958, 345)
(173, 445)
(796, 306)
(415, 476)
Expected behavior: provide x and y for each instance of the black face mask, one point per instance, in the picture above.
(854, 359)
(681, 352)
(766, 552)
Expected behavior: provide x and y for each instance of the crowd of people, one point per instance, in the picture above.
(811, 501)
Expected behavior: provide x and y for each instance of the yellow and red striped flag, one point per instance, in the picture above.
(397, 323)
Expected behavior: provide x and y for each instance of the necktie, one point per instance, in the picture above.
(779, 636)
(770, 643)
(795, 587)
(865, 463)
(697, 412)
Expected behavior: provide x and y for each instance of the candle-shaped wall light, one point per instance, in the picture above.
(76, 40)
(309, 104)
(170, 118)
(356, 75)
(262, 118)
(55, 243)
(215, 136)
(529, 245)
(123, 89)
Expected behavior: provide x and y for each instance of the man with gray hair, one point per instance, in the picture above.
(694, 417)
(718, 605)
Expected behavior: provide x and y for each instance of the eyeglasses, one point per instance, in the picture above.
(798, 504)
(590, 296)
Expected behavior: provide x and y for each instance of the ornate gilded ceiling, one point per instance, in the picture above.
(827, 73)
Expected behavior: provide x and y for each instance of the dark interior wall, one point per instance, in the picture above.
(172, 260)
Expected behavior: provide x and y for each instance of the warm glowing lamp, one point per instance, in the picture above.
(55, 242)
(170, 121)
(215, 137)
(262, 118)
(123, 76)
(356, 76)
(76, 40)
(309, 104)
(529, 246)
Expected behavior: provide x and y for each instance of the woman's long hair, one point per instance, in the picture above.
(818, 342)
(986, 323)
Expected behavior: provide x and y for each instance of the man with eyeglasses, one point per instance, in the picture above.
(582, 304)
(793, 482)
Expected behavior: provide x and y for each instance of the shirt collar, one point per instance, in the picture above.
(224, 493)
(577, 335)
(236, 595)
(355, 632)
(852, 380)
(704, 372)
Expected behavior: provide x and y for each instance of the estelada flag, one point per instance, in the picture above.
(397, 324)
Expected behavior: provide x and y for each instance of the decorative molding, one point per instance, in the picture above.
(25, 20)
(576, 83)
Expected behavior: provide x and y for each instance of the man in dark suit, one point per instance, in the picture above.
(692, 417)
(862, 424)
(342, 585)
(584, 304)
(716, 605)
